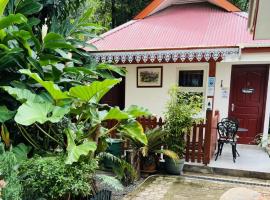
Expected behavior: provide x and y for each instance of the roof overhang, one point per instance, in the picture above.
(259, 17)
(166, 56)
(157, 5)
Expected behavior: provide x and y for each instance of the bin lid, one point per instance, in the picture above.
(114, 140)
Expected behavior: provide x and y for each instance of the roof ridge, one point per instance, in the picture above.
(238, 13)
(155, 4)
(114, 30)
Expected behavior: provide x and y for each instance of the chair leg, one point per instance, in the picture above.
(237, 153)
(234, 152)
(218, 151)
(221, 148)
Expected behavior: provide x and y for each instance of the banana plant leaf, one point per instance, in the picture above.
(53, 89)
(22, 95)
(137, 111)
(95, 91)
(3, 4)
(76, 151)
(119, 70)
(134, 131)
(116, 114)
(41, 112)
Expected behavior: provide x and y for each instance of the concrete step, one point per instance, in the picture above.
(208, 170)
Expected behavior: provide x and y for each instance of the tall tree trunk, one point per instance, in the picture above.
(113, 13)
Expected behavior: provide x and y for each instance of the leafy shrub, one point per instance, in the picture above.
(124, 171)
(51, 178)
(9, 172)
(179, 117)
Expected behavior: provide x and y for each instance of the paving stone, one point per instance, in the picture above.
(241, 193)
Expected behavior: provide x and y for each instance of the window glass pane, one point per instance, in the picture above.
(192, 78)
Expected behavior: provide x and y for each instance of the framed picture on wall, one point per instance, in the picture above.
(149, 76)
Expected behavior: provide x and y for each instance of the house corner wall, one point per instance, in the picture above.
(223, 83)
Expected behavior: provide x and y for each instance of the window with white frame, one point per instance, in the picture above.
(193, 81)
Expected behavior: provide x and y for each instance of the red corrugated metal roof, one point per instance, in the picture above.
(180, 26)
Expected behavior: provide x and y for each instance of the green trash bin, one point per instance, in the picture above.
(115, 148)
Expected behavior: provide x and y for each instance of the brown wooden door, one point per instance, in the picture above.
(116, 96)
(247, 99)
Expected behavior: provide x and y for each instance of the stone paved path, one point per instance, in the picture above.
(177, 188)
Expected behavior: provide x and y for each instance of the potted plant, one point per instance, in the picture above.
(179, 118)
(151, 151)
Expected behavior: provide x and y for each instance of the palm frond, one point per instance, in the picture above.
(110, 181)
(155, 138)
(109, 156)
(169, 153)
(121, 166)
(145, 151)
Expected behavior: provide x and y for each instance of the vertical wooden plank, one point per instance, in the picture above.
(160, 123)
(143, 123)
(212, 73)
(212, 69)
(154, 123)
(200, 143)
(193, 143)
(187, 154)
(207, 140)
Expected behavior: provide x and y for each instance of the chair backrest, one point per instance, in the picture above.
(230, 119)
(227, 129)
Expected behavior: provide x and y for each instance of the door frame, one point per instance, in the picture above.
(265, 92)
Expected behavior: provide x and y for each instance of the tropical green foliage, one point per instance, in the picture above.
(179, 118)
(124, 171)
(51, 91)
(155, 138)
(51, 178)
(112, 13)
(110, 181)
(9, 164)
(83, 104)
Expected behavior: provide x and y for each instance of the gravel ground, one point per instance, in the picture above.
(118, 195)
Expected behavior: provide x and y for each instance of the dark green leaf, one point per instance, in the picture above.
(5, 114)
(29, 7)
(56, 41)
(12, 19)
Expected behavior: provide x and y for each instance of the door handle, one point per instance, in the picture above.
(232, 108)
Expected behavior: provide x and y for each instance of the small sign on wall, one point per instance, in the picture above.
(211, 86)
(224, 92)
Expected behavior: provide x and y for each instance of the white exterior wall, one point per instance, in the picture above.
(155, 98)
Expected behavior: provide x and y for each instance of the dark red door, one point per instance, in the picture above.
(247, 99)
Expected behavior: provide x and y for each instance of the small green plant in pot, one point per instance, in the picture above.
(151, 151)
(179, 118)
